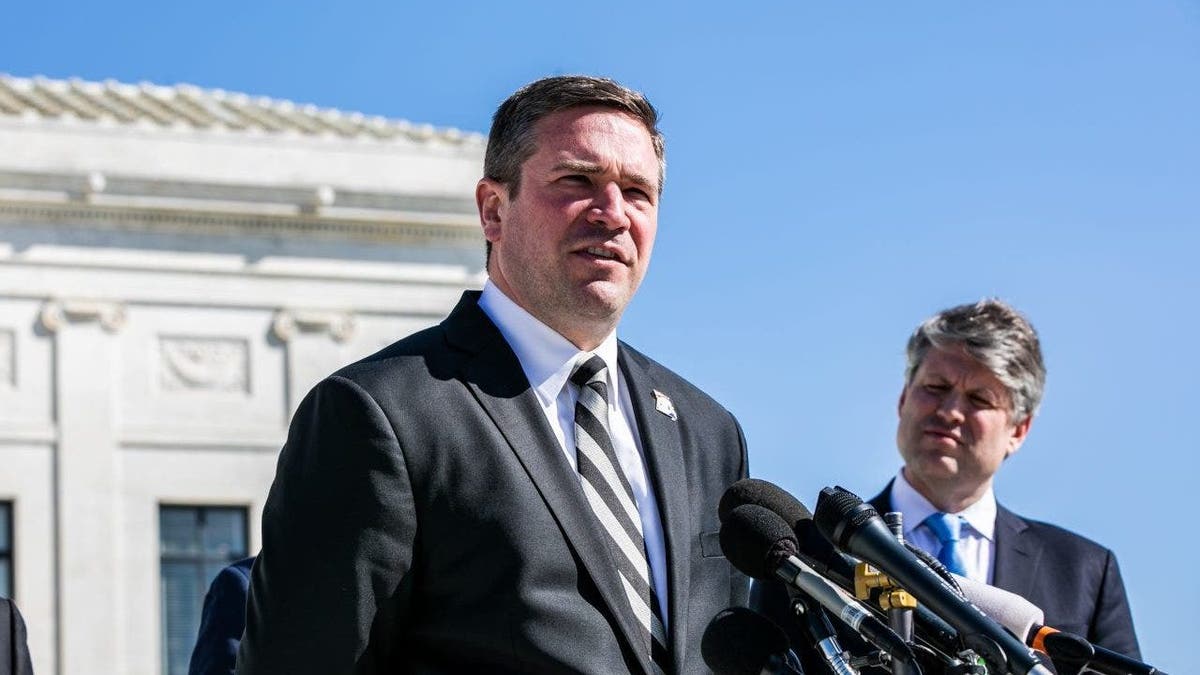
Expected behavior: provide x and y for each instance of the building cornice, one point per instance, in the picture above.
(130, 203)
(182, 108)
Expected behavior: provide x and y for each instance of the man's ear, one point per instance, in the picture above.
(491, 198)
(1019, 433)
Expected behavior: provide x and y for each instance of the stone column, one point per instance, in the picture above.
(88, 537)
(316, 341)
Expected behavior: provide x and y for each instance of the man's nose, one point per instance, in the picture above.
(608, 207)
(950, 408)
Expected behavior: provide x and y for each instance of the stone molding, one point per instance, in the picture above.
(399, 228)
(288, 322)
(58, 312)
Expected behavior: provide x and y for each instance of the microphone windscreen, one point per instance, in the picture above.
(740, 641)
(1010, 610)
(1069, 652)
(840, 513)
(756, 540)
(766, 494)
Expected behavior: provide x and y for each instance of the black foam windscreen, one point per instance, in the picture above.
(756, 540)
(766, 494)
(840, 513)
(740, 641)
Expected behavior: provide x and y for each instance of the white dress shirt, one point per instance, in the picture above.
(548, 359)
(978, 536)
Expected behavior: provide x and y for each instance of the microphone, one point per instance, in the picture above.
(817, 627)
(824, 558)
(740, 641)
(856, 528)
(763, 493)
(1072, 653)
(1026, 620)
(1020, 616)
(759, 542)
(816, 549)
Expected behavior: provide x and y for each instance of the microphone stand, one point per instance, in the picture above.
(899, 609)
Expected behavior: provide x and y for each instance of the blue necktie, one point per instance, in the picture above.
(947, 529)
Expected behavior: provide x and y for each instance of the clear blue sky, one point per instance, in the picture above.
(835, 175)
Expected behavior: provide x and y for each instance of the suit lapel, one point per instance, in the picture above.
(1017, 554)
(883, 501)
(493, 374)
(663, 452)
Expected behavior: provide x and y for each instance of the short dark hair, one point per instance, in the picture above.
(995, 334)
(511, 140)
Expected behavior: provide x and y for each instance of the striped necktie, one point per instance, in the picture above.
(608, 492)
(948, 529)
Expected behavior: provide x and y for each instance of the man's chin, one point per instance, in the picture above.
(933, 470)
(599, 300)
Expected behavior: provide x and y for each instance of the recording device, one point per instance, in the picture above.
(1010, 610)
(740, 641)
(1073, 654)
(826, 560)
(1070, 653)
(760, 543)
(857, 528)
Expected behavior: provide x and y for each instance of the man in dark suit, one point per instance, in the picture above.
(973, 383)
(222, 621)
(14, 651)
(513, 490)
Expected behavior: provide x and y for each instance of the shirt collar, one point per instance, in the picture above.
(981, 515)
(547, 357)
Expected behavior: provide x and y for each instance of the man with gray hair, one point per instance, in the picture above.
(972, 386)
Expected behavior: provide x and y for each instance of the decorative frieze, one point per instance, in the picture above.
(204, 364)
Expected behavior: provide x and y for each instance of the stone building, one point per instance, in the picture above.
(177, 267)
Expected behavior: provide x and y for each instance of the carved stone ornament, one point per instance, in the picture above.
(339, 325)
(56, 313)
(204, 364)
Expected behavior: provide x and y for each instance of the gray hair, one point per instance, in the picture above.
(511, 140)
(997, 336)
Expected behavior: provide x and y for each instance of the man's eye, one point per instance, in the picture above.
(982, 402)
(576, 179)
(637, 193)
(935, 388)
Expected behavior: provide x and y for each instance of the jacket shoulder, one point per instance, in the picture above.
(1059, 538)
(668, 378)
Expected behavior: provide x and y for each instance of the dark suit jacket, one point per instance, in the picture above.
(424, 519)
(222, 621)
(1074, 580)
(14, 651)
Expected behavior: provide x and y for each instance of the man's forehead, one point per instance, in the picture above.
(591, 139)
(955, 362)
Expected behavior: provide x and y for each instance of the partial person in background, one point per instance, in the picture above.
(14, 650)
(222, 621)
(972, 386)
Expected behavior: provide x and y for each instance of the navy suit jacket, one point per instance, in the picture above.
(424, 519)
(14, 651)
(1074, 580)
(222, 621)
